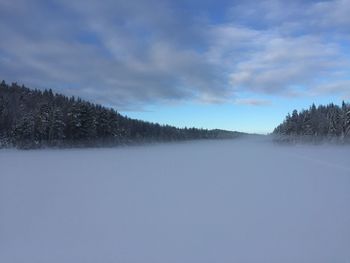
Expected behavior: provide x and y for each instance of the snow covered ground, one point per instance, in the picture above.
(217, 201)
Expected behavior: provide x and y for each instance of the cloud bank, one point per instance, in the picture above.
(133, 54)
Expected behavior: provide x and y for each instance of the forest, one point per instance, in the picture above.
(322, 123)
(34, 119)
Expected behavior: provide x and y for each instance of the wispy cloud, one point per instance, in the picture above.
(340, 87)
(253, 102)
(278, 64)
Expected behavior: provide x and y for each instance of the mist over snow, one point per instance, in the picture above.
(244, 200)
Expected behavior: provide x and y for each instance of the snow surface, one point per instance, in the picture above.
(216, 201)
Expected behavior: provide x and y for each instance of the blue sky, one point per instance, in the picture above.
(238, 65)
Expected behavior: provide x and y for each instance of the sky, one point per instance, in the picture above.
(236, 65)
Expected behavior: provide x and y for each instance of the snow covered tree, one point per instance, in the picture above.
(329, 121)
(347, 123)
(24, 132)
(34, 118)
(57, 127)
(42, 123)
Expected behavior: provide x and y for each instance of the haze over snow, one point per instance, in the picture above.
(217, 201)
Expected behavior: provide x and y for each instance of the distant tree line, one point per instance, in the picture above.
(331, 122)
(35, 118)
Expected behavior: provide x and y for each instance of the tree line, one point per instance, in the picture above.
(330, 122)
(34, 118)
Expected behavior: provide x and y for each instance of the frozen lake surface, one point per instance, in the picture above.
(214, 201)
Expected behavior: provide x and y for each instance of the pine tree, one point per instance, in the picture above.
(329, 121)
(42, 122)
(34, 118)
(57, 127)
(24, 132)
(347, 123)
(334, 121)
(74, 123)
(88, 122)
(307, 124)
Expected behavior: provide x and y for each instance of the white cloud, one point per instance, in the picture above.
(265, 61)
(331, 14)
